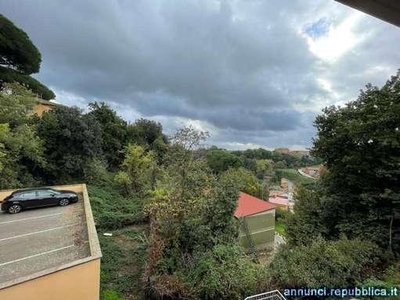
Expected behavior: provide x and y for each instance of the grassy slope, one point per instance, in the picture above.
(294, 176)
(122, 264)
(124, 253)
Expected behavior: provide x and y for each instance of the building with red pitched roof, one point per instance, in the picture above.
(257, 222)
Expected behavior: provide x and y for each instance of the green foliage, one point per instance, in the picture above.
(16, 102)
(281, 219)
(137, 170)
(224, 273)
(221, 160)
(282, 160)
(16, 49)
(72, 141)
(122, 263)
(19, 58)
(245, 180)
(192, 213)
(379, 284)
(360, 146)
(21, 152)
(111, 295)
(12, 76)
(292, 175)
(326, 263)
(113, 132)
(111, 210)
(148, 134)
(311, 214)
(95, 172)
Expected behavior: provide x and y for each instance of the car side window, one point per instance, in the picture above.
(45, 193)
(27, 195)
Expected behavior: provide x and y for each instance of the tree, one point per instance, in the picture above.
(221, 160)
(360, 146)
(113, 132)
(72, 140)
(16, 102)
(16, 49)
(193, 251)
(137, 170)
(21, 151)
(310, 218)
(245, 180)
(19, 58)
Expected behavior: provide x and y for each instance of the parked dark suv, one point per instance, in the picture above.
(31, 198)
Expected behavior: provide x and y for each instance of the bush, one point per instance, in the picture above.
(95, 172)
(224, 273)
(111, 295)
(326, 263)
(282, 215)
(111, 210)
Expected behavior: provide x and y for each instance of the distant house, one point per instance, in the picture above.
(282, 202)
(42, 106)
(257, 223)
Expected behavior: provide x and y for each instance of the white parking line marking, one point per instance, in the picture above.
(45, 216)
(37, 232)
(35, 255)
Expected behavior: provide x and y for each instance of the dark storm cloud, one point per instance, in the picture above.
(243, 67)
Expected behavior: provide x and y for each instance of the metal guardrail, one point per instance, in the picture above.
(272, 295)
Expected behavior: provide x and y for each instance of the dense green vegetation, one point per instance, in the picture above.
(170, 203)
(20, 58)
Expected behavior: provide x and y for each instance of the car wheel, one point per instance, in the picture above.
(64, 202)
(14, 209)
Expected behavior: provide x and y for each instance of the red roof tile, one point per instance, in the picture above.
(249, 205)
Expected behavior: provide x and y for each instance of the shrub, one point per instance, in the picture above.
(224, 273)
(326, 263)
(111, 295)
(111, 210)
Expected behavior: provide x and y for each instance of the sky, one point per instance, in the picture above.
(251, 73)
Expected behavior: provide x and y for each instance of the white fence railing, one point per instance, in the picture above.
(273, 295)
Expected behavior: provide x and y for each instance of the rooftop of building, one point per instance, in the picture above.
(41, 241)
(250, 205)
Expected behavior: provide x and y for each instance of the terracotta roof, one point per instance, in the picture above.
(249, 205)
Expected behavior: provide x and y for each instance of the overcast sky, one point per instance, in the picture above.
(252, 73)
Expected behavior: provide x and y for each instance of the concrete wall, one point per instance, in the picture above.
(262, 230)
(78, 282)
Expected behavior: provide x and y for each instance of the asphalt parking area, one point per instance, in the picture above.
(39, 239)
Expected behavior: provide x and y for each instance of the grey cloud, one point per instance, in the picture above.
(240, 66)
